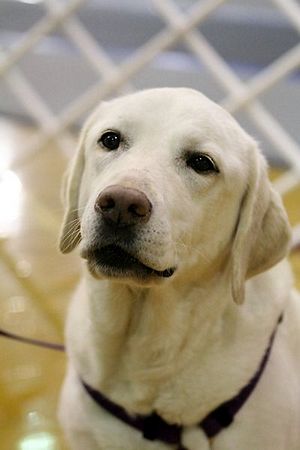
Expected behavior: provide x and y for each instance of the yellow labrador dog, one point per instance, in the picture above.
(184, 332)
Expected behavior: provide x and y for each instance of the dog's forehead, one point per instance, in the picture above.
(163, 106)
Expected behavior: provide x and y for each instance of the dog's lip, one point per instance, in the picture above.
(114, 259)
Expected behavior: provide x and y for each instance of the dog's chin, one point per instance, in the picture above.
(111, 261)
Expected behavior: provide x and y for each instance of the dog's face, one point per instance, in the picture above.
(165, 182)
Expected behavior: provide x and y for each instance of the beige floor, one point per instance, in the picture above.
(36, 282)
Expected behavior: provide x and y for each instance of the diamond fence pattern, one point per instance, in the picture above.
(179, 26)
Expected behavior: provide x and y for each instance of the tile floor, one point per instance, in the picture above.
(36, 282)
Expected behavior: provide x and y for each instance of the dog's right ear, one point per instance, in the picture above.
(70, 235)
(262, 233)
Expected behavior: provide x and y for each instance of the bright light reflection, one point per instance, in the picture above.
(10, 201)
(38, 441)
(34, 418)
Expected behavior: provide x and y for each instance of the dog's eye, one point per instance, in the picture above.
(201, 163)
(110, 140)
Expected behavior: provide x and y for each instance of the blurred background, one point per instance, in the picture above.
(58, 59)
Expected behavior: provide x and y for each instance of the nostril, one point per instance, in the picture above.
(107, 204)
(104, 203)
(141, 209)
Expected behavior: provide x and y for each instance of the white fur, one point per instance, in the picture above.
(181, 346)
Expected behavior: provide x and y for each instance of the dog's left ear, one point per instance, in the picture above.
(262, 233)
(70, 231)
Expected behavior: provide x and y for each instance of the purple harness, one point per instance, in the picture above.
(153, 427)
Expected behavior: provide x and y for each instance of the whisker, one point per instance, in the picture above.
(75, 237)
(74, 222)
(73, 233)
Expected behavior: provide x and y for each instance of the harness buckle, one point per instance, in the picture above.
(155, 428)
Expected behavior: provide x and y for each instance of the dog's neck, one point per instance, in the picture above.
(149, 328)
(140, 335)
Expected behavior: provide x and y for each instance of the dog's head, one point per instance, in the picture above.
(165, 183)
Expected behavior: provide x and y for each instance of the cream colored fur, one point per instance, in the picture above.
(182, 345)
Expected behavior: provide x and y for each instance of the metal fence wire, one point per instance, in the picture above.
(180, 25)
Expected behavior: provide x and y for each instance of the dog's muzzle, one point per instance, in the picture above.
(121, 212)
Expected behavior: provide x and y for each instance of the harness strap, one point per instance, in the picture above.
(224, 415)
(153, 427)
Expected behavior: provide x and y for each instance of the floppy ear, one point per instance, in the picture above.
(70, 231)
(262, 234)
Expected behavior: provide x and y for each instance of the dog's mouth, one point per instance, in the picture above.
(114, 261)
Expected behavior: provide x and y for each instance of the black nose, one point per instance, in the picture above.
(123, 206)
